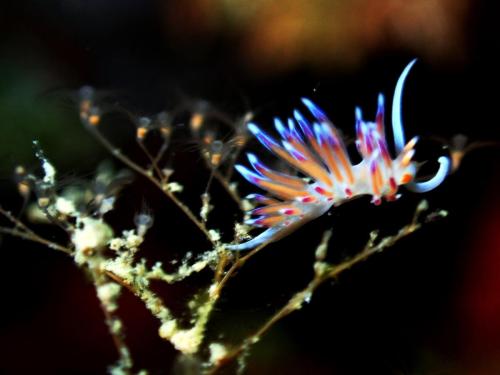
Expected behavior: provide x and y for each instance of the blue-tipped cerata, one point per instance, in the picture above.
(327, 176)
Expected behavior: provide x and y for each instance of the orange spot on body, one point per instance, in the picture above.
(406, 178)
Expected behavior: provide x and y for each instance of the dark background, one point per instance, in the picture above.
(430, 305)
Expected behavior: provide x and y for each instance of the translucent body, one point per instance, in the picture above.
(317, 151)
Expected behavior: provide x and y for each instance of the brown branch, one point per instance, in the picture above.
(152, 160)
(323, 272)
(159, 184)
(238, 263)
(22, 231)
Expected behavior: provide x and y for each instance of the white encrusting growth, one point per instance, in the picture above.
(90, 235)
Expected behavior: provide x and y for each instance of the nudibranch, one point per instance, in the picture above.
(317, 151)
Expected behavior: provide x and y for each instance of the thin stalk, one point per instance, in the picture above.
(134, 166)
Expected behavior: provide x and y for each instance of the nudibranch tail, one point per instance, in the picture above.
(316, 150)
(266, 236)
